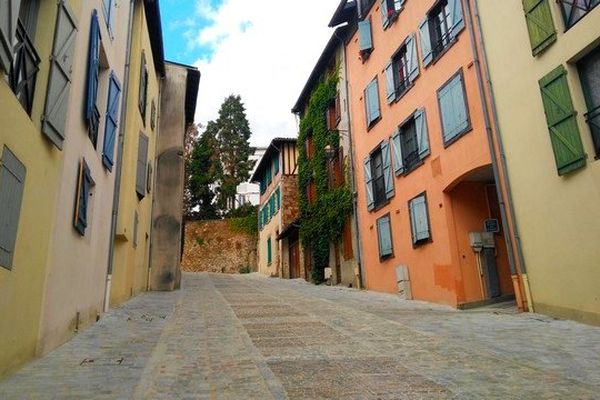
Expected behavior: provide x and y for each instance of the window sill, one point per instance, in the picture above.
(373, 123)
(443, 52)
(414, 167)
(385, 258)
(457, 137)
(401, 94)
(422, 242)
(380, 206)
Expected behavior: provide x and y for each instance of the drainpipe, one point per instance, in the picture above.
(121, 142)
(498, 163)
(352, 176)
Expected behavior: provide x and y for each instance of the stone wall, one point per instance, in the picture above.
(213, 246)
(290, 200)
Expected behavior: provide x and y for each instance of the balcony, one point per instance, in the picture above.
(24, 69)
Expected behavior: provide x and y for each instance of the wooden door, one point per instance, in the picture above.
(295, 260)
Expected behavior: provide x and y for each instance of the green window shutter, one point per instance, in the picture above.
(276, 165)
(59, 81)
(540, 24)
(12, 183)
(562, 123)
(269, 251)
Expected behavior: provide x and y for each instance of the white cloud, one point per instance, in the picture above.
(264, 50)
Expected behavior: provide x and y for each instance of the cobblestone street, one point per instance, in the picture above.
(250, 337)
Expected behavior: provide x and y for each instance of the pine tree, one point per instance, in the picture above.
(204, 168)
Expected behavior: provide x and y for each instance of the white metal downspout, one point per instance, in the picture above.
(491, 140)
(118, 170)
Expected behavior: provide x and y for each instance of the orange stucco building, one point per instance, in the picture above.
(426, 183)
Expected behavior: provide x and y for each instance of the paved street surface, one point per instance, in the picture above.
(250, 337)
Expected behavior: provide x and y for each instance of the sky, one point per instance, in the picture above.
(263, 50)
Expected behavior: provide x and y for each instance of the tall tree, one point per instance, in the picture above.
(204, 167)
(191, 137)
(233, 134)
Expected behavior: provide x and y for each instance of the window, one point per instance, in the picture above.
(269, 175)
(12, 183)
(149, 178)
(92, 114)
(574, 10)
(589, 72)
(59, 80)
(112, 118)
(276, 164)
(153, 115)
(142, 162)
(84, 187)
(402, 70)
(277, 199)
(562, 122)
(272, 206)
(143, 94)
(309, 146)
(311, 192)
(371, 98)
(269, 252)
(389, 11)
(335, 169)
(334, 114)
(410, 143)
(540, 24)
(453, 109)
(107, 7)
(23, 70)
(365, 38)
(419, 219)
(379, 180)
(384, 237)
(440, 28)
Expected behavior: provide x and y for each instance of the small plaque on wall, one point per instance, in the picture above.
(492, 225)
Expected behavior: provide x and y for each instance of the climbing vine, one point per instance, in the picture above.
(322, 222)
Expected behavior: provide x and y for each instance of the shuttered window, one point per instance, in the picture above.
(12, 183)
(277, 199)
(112, 119)
(149, 179)
(143, 90)
(540, 25)
(59, 81)
(269, 252)
(589, 72)
(365, 38)
(84, 186)
(384, 237)
(276, 165)
(371, 99)
(410, 143)
(379, 177)
(574, 10)
(389, 11)
(142, 162)
(136, 228)
(453, 109)
(402, 70)
(107, 7)
(440, 28)
(92, 113)
(9, 13)
(419, 219)
(562, 123)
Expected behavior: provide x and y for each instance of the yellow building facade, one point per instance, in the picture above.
(543, 59)
(130, 263)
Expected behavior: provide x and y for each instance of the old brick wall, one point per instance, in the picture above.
(213, 246)
(290, 199)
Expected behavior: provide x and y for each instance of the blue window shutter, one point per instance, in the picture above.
(112, 121)
(419, 220)
(365, 38)
(390, 84)
(412, 60)
(422, 133)
(453, 108)
(93, 65)
(397, 152)
(83, 194)
(426, 51)
(384, 236)
(372, 102)
(385, 20)
(388, 175)
(457, 22)
(12, 183)
(142, 165)
(369, 184)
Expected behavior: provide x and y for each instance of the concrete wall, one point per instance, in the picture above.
(216, 246)
(21, 288)
(131, 263)
(559, 217)
(167, 217)
(77, 265)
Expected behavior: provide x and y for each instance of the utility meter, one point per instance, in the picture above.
(476, 241)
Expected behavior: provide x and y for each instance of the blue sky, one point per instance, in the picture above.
(182, 20)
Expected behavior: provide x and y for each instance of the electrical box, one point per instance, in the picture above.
(488, 240)
(328, 273)
(476, 241)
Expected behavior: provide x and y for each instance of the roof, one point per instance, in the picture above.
(334, 42)
(273, 147)
(155, 30)
(344, 13)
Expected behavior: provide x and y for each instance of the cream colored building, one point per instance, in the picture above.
(544, 63)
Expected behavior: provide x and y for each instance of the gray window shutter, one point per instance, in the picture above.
(373, 102)
(12, 183)
(9, 12)
(384, 235)
(419, 220)
(136, 225)
(149, 183)
(388, 175)
(457, 22)
(142, 162)
(143, 92)
(426, 52)
(422, 133)
(59, 81)
(369, 184)
(411, 58)
(112, 121)
(397, 152)
(453, 108)
(390, 85)
(365, 39)
(385, 20)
